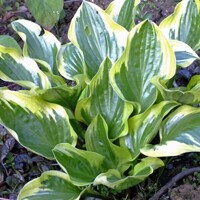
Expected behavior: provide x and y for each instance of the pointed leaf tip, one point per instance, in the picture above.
(148, 53)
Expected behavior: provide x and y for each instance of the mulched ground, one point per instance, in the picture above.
(18, 166)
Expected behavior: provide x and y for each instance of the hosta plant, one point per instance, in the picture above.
(103, 105)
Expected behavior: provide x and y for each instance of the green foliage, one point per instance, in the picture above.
(45, 12)
(118, 99)
(57, 184)
(1, 2)
(117, 9)
(183, 23)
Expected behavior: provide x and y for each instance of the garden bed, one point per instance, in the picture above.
(18, 165)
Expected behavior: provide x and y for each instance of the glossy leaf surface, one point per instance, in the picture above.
(10, 43)
(63, 95)
(93, 31)
(46, 12)
(50, 185)
(185, 56)
(148, 53)
(97, 140)
(140, 172)
(184, 95)
(55, 80)
(35, 123)
(21, 70)
(184, 23)
(123, 12)
(144, 127)
(82, 166)
(179, 134)
(39, 46)
(104, 101)
(71, 62)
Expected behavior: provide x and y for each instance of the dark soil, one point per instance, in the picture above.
(18, 166)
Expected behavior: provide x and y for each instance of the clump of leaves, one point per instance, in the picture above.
(102, 129)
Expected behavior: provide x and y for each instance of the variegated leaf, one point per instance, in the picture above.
(123, 12)
(38, 45)
(63, 95)
(96, 139)
(21, 70)
(179, 134)
(148, 53)
(35, 123)
(103, 100)
(184, 23)
(82, 166)
(71, 62)
(185, 56)
(184, 95)
(51, 185)
(94, 32)
(144, 127)
(113, 179)
(9, 42)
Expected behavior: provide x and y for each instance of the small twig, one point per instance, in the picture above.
(173, 181)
